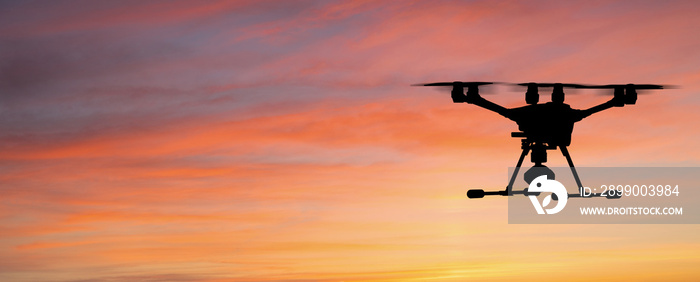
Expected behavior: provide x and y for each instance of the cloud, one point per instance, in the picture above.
(282, 141)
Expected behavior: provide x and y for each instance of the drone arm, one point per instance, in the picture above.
(473, 97)
(486, 104)
(598, 108)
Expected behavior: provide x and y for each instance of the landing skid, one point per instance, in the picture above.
(479, 193)
(540, 150)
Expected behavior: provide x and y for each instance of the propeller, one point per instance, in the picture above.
(549, 85)
(464, 84)
(627, 86)
(447, 86)
(628, 92)
(533, 89)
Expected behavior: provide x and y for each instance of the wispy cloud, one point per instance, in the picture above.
(269, 141)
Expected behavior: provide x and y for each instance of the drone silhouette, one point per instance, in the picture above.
(543, 127)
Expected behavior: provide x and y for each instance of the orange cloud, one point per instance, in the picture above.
(241, 141)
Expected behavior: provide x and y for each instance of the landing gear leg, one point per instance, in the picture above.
(565, 152)
(509, 189)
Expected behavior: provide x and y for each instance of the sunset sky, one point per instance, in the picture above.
(282, 141)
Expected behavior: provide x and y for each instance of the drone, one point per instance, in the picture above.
(543, 126)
